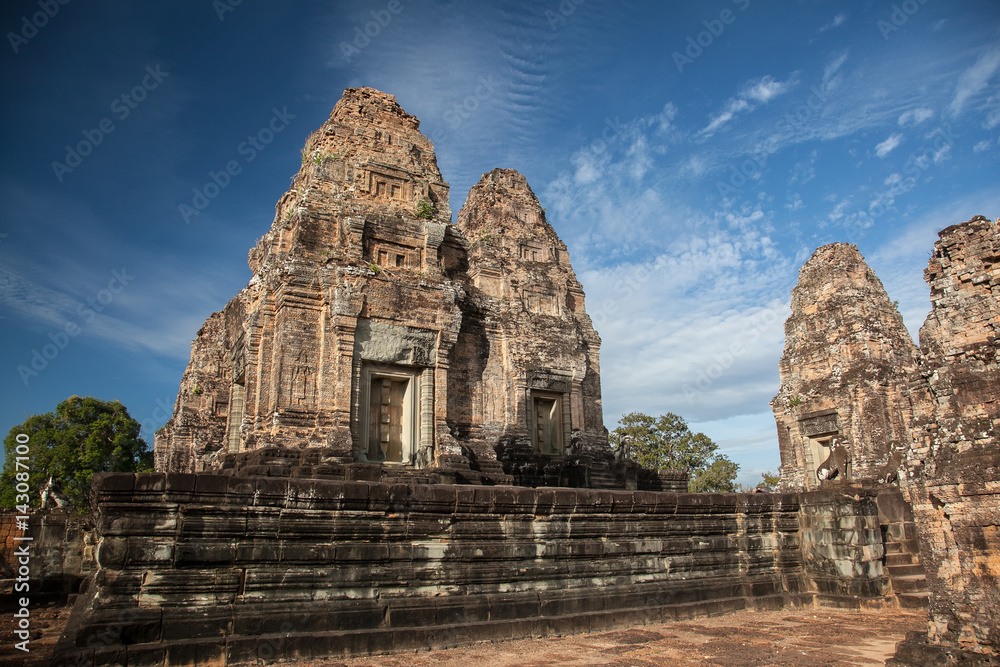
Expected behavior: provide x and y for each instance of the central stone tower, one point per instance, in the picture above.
(376, 339)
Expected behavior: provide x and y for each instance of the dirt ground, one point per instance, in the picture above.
(800, 637)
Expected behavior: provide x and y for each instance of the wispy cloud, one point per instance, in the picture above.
(753, 93)
(733, 107)
(838, 20)
(915, 116)
(830, 71)
(974, 79)
(889, 145)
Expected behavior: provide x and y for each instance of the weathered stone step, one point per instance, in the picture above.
(917, 600)
(905, 570)
(909, 584)
(898, 559)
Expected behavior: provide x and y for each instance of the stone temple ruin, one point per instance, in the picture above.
(376, 332)
(860, 404)
(392, 438)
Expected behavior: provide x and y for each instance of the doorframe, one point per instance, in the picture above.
(411, 407)
(557, 398)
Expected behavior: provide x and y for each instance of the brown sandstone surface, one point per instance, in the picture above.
(844, 371)
(806, 637)
(374, 331)
(954, 463)
(850, 372)
(785, 637)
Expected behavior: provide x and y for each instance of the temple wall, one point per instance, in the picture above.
(228, 570)
(954, 463)
(59, 554)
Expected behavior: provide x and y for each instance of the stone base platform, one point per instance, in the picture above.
(225, 570)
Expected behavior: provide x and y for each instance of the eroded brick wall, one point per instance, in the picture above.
(59, 556)
(954, 464)
(227, 570)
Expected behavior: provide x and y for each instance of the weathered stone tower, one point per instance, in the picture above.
(844, 373)
(536, 387)
(930, 417)
(954, 461)
(376, 333)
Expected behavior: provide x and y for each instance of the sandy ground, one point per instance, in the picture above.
(807, 637)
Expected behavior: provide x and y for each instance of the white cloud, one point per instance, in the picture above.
(915, 116)
(838, 211)
(974, 79)
(888, 145)
(992, 112)
(752, 93)
(663, 121)
(765, 89)
(837, 21)
(983, 145)
(831, 69)
(733, 107)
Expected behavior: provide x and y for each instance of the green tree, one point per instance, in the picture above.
(770, 481)
(82, 437)
(666, 442)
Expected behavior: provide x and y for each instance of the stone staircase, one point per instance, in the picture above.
(906, 576)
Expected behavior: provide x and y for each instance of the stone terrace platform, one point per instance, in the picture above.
(210, 569)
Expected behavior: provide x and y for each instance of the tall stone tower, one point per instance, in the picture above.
(844, 372)
(538, 361)
(954, 463)
(375, 334)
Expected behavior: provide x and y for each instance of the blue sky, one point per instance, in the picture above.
(691, 155)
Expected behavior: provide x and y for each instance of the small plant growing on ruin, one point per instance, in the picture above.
(795, 400)
(425, 210)
(196, 390)
(374, 268)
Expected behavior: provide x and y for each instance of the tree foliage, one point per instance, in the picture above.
(666, 442)
(82, 437)
(769, 481)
